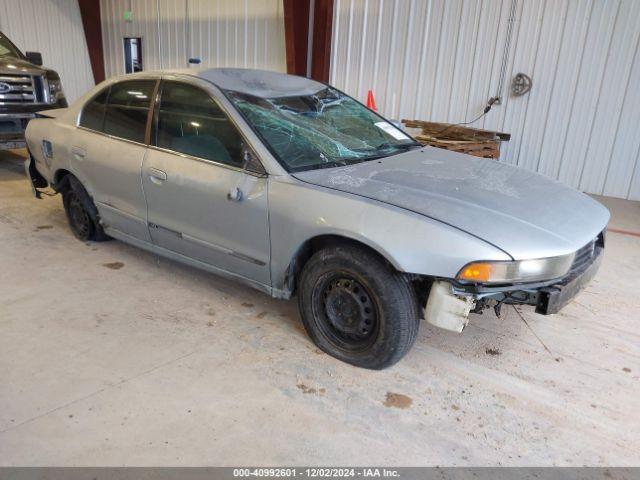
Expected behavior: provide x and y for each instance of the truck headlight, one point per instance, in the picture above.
(56, 91)
(517, 271)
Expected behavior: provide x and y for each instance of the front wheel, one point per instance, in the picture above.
(357, 308)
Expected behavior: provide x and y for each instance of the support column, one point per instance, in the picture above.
(92, 25)
(299, 16)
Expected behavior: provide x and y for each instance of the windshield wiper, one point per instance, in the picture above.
(401, 146)
(387, 146)
(319, 166)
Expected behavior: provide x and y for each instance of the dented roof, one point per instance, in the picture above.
(259, 83)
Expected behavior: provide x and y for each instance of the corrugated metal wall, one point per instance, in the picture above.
(53, 28)
(222, 33)
(441, 59)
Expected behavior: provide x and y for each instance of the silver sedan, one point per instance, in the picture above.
(293, 187)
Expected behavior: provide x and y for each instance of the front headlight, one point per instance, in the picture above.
(517, 271)
(56, 91)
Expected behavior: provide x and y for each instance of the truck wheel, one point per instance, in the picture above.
(356, 308)
(81, 212)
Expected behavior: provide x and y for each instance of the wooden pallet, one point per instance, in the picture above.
(458, 138)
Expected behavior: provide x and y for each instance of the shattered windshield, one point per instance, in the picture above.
(322, 130)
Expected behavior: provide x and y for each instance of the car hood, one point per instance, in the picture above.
(521, 212)
(18, 65)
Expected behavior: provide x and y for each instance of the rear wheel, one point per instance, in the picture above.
(356, 308)
(81, 212)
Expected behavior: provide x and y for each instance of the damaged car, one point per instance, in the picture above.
(295, 188)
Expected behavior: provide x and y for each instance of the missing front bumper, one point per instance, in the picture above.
(548, 298)
(553, 298)
(450, 303)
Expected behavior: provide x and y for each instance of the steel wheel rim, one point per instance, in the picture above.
(345, 311)
(80, 220)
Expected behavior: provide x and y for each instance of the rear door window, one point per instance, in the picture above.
(93, 113)
(191, 122)
(127, 109)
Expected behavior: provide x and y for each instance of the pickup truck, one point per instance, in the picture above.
(25, 88)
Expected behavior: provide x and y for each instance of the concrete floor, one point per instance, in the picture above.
(112, 356)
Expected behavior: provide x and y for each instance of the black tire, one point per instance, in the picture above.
(357, 308)
(81, 212)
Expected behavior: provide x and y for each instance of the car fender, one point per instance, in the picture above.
(59, 134)
(411, 242)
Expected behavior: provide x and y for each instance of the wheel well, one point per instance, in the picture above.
(421, 284)
(60, 180)
(315, 244)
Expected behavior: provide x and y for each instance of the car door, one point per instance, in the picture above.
(202, 202)
(107, 152)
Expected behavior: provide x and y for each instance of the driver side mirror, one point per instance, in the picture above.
(34, 57)
(251, 163)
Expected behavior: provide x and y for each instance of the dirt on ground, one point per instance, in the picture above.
(113, 356)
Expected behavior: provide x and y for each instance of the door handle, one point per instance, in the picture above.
(156, 176)
(78, 152)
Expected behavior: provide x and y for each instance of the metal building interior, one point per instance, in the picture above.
(111, 356)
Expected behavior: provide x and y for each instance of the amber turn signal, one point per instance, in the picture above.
(476, 272)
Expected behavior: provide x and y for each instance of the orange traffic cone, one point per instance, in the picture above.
(371, 102)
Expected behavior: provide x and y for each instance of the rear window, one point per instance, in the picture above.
(127, 109)
(93, 114)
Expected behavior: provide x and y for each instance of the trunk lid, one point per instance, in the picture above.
(52, 113)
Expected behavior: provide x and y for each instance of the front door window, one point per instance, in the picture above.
(191, 122)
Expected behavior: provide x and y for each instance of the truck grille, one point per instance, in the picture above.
(18, 89)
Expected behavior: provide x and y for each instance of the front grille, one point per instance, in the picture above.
(584, 256)
(17, 89)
